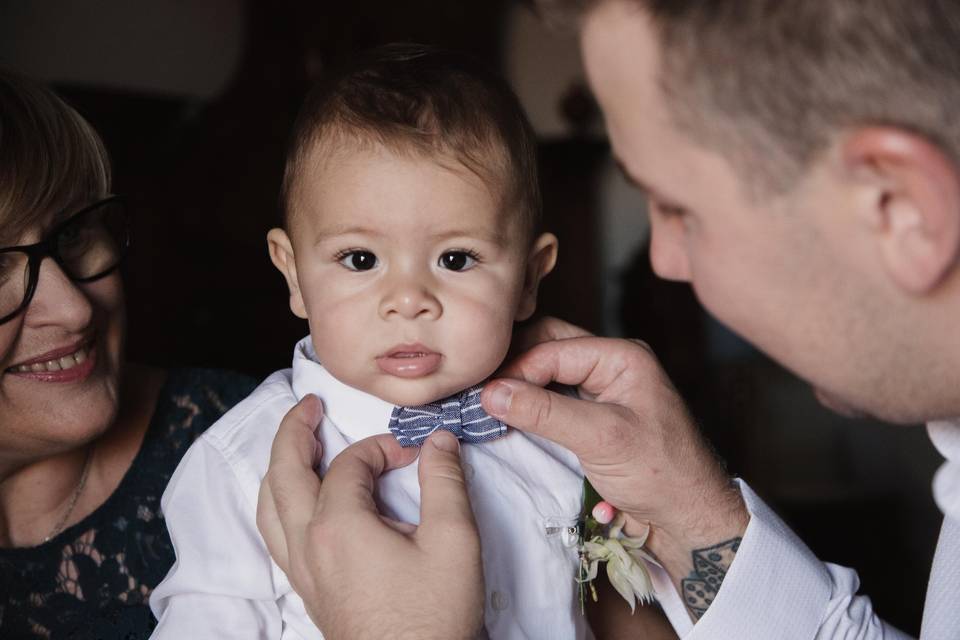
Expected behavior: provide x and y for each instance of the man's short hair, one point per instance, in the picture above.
(419, 99)
(51, 159)
(769, 82)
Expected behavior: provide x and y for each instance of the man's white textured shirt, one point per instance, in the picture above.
(776, 589)
(525, 492)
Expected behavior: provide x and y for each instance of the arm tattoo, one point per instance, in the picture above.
(710, 566)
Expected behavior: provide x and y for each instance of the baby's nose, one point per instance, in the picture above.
(410, 300)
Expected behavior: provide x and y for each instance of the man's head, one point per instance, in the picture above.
(800, 159)
(411, 204)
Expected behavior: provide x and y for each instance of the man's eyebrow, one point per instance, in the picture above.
(645, 189)
(633, 180)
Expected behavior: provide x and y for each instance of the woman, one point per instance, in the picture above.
(87, 442)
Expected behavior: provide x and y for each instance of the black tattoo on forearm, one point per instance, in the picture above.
(710, 567)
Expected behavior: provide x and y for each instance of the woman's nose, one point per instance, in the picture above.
(58, 301)
(410, 298)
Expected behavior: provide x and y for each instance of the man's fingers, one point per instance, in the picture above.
(443, 489)
(569, 362)
(545, 330)
(352, 476)
(291, 482)
(398, 525)
(608, 366)
(296, 437)
(579, 425)
(268, 522)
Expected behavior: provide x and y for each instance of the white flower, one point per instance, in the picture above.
(624, 557)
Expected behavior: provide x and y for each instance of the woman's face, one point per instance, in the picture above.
(60, 364)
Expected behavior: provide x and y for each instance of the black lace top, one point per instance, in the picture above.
(93, 579)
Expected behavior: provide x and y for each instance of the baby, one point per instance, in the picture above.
(410, 246)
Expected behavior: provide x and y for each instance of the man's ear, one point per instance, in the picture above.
(281, 254)
(914, 204)
(540, 262)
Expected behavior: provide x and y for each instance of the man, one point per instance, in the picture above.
(800, 159)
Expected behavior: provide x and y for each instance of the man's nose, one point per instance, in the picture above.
(668, 255)
(58, 301)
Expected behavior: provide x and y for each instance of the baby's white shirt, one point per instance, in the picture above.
(525, 492)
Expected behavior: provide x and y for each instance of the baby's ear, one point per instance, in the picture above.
(281, 254)
(540, 262)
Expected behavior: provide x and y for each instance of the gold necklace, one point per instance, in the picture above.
(76, 496)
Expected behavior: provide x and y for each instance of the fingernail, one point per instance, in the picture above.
(314, 408)
(312, 404)
(445, 441)
(604, 512)
(498, 400)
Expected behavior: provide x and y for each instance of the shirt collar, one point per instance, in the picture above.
(355, 413)
(945, 435)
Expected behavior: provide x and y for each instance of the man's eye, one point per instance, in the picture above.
(457, 260)
(358, 260)
(669, 210)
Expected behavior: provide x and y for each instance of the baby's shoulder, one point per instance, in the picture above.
(246, 431)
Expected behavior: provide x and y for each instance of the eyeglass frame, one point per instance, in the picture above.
(47, 247)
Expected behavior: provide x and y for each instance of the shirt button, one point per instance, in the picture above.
(468, 470)
(499, 600)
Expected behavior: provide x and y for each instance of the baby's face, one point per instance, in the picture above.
(409, 271)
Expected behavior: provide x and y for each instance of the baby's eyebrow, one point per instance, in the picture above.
(335, 231)
(494, 236)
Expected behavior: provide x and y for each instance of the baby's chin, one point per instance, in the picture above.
(414, 393)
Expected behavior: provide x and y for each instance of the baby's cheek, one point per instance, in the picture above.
(331, 336)
(489, 337)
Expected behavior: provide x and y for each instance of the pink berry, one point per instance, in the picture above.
(604, 512)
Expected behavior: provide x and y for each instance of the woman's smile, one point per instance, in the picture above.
(66, 364)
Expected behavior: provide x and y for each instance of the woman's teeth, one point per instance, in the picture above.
(57, 364)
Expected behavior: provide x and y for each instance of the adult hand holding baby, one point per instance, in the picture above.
(316, 530)
(631, 431)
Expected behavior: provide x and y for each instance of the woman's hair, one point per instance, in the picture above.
(51, 159)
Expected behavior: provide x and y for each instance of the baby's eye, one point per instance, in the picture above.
(358, 260)
(457, 260)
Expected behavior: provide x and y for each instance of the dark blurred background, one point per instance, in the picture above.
(194, 101)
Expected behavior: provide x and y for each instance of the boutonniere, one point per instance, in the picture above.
(602, 540)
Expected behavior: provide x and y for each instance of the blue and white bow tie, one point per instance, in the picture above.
(460, 414)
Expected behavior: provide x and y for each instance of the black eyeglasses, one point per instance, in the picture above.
(88, 245)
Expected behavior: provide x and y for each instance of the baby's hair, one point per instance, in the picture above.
(419, 99)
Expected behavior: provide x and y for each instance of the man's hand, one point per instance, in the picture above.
(632, 433)
(360, 574)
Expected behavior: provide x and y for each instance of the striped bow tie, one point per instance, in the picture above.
(460, 414)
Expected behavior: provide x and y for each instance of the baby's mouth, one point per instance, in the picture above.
(409, 361)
